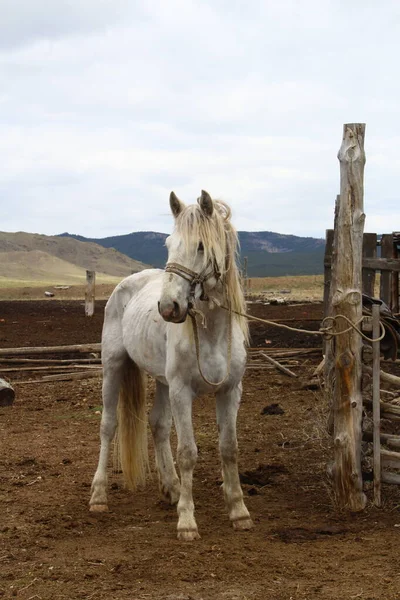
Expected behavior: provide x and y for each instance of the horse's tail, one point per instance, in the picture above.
(132, 426)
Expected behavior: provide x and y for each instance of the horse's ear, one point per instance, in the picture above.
(206, 203)
(176, 205)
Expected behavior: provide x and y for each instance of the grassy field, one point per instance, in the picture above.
(301, 287)
(12, 289)
(307, 287)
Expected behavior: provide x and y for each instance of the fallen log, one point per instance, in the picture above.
(386, 407)
(385, 438)
(320, 368)
(278, 365)
(50, 349)
(7, 393)
(285, 352)
(63, 377)
(48, 369)
(388, 377)
(393, 478)
(313, 384)
(390, 458)
(50, 361)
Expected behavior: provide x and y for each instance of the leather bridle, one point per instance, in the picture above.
(195, 279)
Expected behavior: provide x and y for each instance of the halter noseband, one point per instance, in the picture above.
(194, 278)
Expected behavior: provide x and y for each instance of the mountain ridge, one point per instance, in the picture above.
(268, 253)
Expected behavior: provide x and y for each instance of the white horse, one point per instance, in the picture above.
(146, 330)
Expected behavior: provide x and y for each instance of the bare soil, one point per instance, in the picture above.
(301, 547)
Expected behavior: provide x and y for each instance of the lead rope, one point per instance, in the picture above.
(323, 331)
(192, 314)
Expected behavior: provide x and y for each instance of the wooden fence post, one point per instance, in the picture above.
(386, 276)
(347, 301)
(329, 345)
(90, 292)
(329, 236)
(368, 275)
(376, 399)
(244, 275)
(396, 276)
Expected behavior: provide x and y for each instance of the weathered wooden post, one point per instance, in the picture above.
(347, 301)
(244, 275)
(90, 293)
(376, 400)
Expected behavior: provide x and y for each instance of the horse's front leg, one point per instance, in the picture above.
(181, 403)
(227, 409)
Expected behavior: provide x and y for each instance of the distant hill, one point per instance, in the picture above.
(269, 254)
(146, 246)
(34, 257)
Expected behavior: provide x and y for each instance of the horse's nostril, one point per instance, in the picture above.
(176, 308)
(158, 304)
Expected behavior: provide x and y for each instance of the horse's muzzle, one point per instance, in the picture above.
(172, 312)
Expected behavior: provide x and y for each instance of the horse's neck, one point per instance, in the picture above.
(216, 318)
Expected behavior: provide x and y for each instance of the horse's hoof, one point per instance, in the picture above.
(243, 524)
(188, 535)
(98, 508)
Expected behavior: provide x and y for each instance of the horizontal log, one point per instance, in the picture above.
(63, 377)
(382, 264)
(393, 395)
(47, 368)
(393, 478)
(279, 366)
(390, 458)
(386, 438)
(7, 393)
(285, 351)
(50, 361)
(390, 416)
(71, 376)
(388, 377)
(50, 349)
(378, 264)
(385, 407)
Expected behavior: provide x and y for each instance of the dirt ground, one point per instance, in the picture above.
(51, 546)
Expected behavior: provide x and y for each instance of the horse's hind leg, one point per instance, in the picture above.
(112, 377)
(160, 423)
(227, 408)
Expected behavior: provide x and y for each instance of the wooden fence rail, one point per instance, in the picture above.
(388, 264)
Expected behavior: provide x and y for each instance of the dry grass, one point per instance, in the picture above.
(302, 287)
(308, 287)
(17, 290)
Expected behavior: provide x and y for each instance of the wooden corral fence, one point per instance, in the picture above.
(379, 255)
(351, 264)
(90, 293)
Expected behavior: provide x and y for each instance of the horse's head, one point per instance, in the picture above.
(198, 254)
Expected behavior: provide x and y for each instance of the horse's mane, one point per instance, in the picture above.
(221, 243)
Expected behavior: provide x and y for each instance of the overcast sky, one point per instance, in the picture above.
(107, 105)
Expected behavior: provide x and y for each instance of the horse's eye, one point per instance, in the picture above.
(200, 247)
